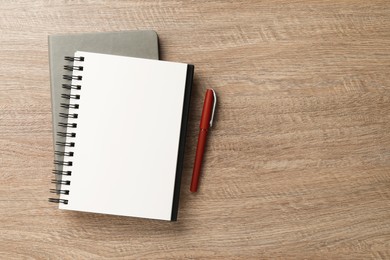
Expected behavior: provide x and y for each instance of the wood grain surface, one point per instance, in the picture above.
(297, 165)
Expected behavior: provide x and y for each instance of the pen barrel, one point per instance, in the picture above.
(198, 160)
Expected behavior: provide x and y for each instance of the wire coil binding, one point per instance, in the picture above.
(67, 125)
(59, 172)
(65, 115)
(71, 77)
(66, 192)
(71, 68)
(70, 58)
(66, 134)
(67, 106)
(70, 86)
(68, 144)
(58, 200)
(60, 182)
(69, 96)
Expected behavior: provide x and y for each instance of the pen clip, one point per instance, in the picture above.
(214, 105)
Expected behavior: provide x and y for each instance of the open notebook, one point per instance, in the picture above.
(125, 131)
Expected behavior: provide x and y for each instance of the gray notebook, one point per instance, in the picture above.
(141, 44)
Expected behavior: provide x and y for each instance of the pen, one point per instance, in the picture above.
(206, 122)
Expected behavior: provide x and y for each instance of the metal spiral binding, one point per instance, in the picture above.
(60, 182)
(58, 172)
(69, 96)
(70, 58)
(65, 115)
(65, 134)
(70, 154)
(72, 77)
(68, 125)
(72, 68)
(69, 163)
(70, 86)
(58, 200)
(68, 144)
(65, 192)
(72, 108)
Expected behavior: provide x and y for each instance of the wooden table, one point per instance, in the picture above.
(297, 166)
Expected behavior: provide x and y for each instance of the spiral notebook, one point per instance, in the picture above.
(124, 135)
(137, 43)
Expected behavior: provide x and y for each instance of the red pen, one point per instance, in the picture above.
(206, 122)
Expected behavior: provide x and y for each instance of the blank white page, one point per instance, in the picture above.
(127, 136)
